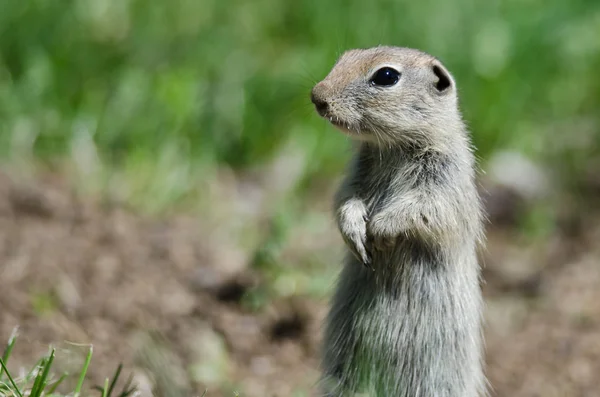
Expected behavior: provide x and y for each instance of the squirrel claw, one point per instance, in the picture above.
(360, 252)
(365, 258)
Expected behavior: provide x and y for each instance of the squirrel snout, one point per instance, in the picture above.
(320, 103)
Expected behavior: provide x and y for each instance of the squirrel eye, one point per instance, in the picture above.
(385, 77)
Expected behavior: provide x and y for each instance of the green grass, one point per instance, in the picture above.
(40, 381)
(148, 97)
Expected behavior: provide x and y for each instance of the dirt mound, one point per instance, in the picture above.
(156, 295)
(96, 273)
(544, 338)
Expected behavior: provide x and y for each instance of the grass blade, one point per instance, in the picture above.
(105, 391)
(84, 370)
(115, 378)
(10, 378)
(11, 343)
(39, 369)
(55, 385)
(128, 389)
(40, 380)
(34, 370)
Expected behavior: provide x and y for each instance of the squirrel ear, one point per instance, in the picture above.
(443, 79)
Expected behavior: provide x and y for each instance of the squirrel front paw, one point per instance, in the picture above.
(352, 222)
(384, 230)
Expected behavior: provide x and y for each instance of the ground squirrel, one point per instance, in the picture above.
(405, 319)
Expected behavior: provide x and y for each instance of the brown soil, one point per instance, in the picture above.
(151, 294)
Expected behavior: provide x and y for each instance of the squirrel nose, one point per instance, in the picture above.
(320, 104)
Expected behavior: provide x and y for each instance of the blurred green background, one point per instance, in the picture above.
(202, 107)
(162, 92)
(159, 104)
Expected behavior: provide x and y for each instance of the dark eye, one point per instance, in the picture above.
(385, 77)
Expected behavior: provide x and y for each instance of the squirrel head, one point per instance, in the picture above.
(389, 95)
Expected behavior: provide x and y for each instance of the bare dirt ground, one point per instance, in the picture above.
(149, 293)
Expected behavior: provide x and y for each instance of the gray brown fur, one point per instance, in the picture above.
(405, 319)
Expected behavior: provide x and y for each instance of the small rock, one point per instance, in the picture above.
(178, 302)
(505, 315)
(514, 170)
(30, 201)
(262, 366)
(68, 293)
(210, 358)
(207, 278)
(503, 206)
(107, 268)
(142, 383)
